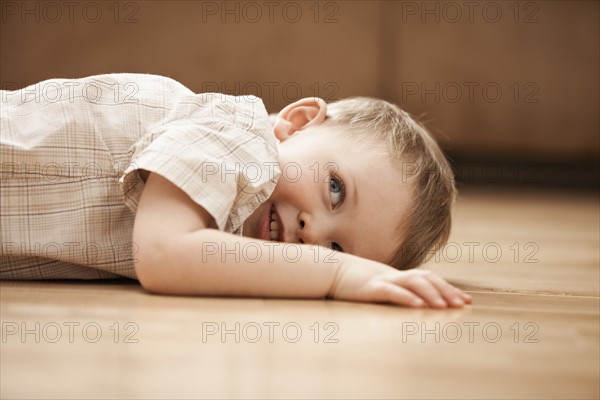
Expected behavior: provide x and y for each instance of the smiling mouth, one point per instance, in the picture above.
(274, 226)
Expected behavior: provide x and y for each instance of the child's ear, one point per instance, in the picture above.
(310, 111)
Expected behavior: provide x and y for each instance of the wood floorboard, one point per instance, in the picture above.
(532, 332)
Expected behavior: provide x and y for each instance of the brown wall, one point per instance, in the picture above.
(543, 56)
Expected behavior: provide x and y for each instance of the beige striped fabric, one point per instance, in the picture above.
(70, 151)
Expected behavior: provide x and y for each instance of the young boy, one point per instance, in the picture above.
(202, 194)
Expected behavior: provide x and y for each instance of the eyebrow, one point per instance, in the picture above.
(350, 249)
(355, 190)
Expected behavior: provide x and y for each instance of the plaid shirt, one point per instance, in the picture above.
(70, 151)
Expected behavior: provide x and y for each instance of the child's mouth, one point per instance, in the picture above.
(274, 227)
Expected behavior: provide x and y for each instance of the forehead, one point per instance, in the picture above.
(372, 223)
(383, 200)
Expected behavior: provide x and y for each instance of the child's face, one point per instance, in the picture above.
(337, 193)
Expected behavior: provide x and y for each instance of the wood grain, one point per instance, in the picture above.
(532, 331)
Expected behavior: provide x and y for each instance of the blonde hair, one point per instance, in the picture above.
(427, 224)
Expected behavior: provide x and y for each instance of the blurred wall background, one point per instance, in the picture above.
(510, 89)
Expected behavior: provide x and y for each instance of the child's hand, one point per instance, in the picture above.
(369, 281)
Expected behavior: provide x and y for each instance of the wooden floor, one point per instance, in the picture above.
(530, 260)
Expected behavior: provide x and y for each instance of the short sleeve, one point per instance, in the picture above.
(219, 149)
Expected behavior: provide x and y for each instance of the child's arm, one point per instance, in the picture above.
(181, 253)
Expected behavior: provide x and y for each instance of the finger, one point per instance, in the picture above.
(452, 295)
(425, 289)
(391, 293)
(467, 298)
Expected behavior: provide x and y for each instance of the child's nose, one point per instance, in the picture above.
(307, 231)
(302, 230)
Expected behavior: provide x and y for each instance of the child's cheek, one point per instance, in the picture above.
(294, 186)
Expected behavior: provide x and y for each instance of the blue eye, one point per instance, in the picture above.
(336, 188)
(336, 247)
(337, 193)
